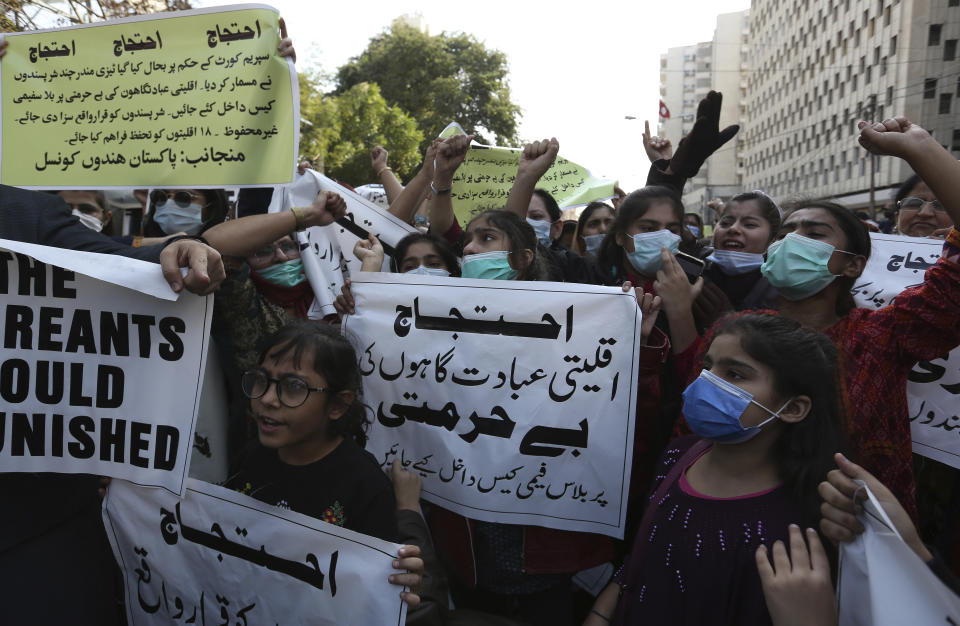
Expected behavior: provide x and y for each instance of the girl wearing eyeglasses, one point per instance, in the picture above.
(311, 426)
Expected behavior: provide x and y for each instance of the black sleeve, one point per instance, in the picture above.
(657, 175)
(379, 516)
(45, 219)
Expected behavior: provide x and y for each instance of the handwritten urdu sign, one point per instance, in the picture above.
(513, 401)
(191, 99)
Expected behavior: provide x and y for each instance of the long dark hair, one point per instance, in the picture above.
(553, 209)
(588, 211)
(804, 362)
(858, 242)
(334, 359)
(522, 237)
(634, 206)
(442, 247)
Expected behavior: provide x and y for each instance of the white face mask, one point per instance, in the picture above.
(89, 221)
(423, 270)
(733, 263)
(542, 228)
(593, 243)
(172, 218)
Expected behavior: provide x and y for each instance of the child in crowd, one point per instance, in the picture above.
(767, 422)
(311, 425)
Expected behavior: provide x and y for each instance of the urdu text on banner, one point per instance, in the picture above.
(97, 378)
(484, 179)
(514, 401)
(219, 555)
(933, 390)
(190, 99)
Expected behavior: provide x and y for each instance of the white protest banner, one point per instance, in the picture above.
(96, 378)
(882, 582)
(327, 251)
(933, 392)
(514, 401)
(219, 555)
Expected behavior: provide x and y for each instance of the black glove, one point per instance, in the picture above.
(705, 138)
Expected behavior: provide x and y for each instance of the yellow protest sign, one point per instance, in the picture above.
(180, 99)
(484, 179)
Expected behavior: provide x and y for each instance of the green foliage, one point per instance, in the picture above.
(438, 79)
(346, 126)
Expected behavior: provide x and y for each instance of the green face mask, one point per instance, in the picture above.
(797, 266)
(286, 274)
(489, 265)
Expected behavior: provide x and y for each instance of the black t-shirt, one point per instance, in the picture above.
(346, 487)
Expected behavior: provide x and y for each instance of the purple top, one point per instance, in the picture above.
(698, 565)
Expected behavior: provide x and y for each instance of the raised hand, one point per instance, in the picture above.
(704, 139)
(370, 252)
(450, 154)
(327, 208)
(537, 157)
(378, 158)
(656, 147)
(286, 44)
(895, 136)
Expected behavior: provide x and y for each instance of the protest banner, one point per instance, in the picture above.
(327, 251)
(933, 392)
(219, 555)
(484, 179)
(882, 582)
(514, 402)
(181, 99)
(97, 378)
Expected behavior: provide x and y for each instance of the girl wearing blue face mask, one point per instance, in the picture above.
(767, 421)
(822, 251)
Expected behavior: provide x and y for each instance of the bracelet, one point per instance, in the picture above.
(384, 169)
(298, 214)
(601, 615)
(439, 192)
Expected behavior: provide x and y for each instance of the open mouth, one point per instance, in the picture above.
(268, 423)
(732, 245)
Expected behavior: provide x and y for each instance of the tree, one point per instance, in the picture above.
(30, 15)
(438, 79)
(341, 130)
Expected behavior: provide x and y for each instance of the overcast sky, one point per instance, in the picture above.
(576, 68)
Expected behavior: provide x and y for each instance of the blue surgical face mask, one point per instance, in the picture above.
(172, 218)
(713, 407)
(733, 263)
(542, 228)
(423, 270)
(593, 243)
(645, 257)
(797, 266)
(489, 265)
(694, 229)
(286, 274)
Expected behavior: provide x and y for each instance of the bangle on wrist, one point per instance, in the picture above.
(600, 615)
(384, 169)
(298, 215)
(439, 192)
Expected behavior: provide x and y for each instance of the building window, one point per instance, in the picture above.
(945, 100)
(950, 50)
(953, 3)
(893, 45)
(930, 88)
(889, 95)
(956, 141)
(933, 38)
